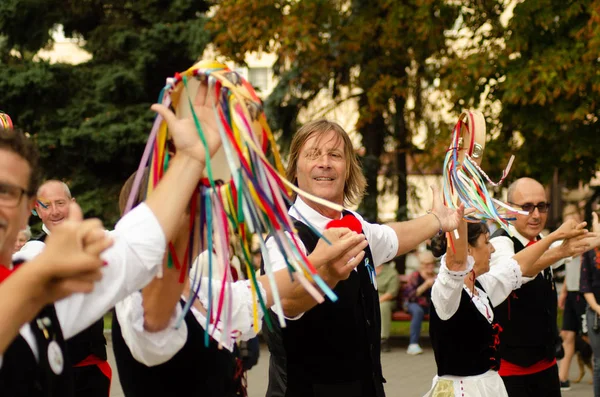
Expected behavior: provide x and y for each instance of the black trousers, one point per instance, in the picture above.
(90, 382)
(540, 384)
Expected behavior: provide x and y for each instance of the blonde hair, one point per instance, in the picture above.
(355, 183)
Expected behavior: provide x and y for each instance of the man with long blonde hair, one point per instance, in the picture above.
(333, 349)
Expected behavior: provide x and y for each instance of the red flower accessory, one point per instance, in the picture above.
(348, 221)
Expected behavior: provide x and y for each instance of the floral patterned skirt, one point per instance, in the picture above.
(488, 384)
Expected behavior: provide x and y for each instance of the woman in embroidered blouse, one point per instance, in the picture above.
(463, 333)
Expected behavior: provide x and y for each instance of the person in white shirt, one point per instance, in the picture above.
(528, 316)
(152, 354)
(345, 355)
(87, 350)
(71, 264)
(463, 332)
(140, 239)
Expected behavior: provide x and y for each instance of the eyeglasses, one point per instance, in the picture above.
(10, 195)
(543, 207)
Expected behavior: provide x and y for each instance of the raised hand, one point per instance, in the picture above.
(70, 262)
(593, 238)
(570, 229)
(576, 239)
(335, 262)
(183, 131)
(450, 219)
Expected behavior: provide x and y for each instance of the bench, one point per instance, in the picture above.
(399, 314)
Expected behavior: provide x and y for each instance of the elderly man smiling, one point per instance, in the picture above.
(52, 207)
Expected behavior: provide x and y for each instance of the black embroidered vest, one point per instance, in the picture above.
(89, 341)
(528, 318)
(22, 376)
(466, 343)
(194, 370)
(334, 348)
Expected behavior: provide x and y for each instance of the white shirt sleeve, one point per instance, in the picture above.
(447, 289)
(382, 239)
(242, 311)
(559, 262)
(504, 250)
(275, 256)
(132, 262)
(277, 260)
(501, 280)
(149, 348)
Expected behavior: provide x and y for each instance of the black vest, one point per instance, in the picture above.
(528, 318)
(194, 371)
(466, 343)
(22, 376)
(334, 348)
(89, 341)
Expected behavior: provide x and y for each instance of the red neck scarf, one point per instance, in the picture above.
(4, 273)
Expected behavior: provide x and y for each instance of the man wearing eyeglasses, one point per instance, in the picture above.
(528, 316)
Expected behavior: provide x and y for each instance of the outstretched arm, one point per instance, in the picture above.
(531, 259)
(414, 232)
(70, 263)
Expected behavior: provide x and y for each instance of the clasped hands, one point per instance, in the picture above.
(70, 262)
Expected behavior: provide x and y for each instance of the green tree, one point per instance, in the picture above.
(378, 48)
(91, 121)
(542, 70)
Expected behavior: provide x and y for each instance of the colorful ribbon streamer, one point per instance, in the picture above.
(242, 192)
(5, 121)
(463, 179)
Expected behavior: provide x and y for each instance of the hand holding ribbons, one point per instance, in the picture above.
(335, 262)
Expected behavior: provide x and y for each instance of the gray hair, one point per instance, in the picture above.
(27, 232)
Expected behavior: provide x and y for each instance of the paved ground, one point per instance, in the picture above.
(407, 376)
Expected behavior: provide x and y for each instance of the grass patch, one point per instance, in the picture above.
(402, 328)
(108, 320)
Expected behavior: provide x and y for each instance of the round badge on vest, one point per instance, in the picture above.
(55, 358)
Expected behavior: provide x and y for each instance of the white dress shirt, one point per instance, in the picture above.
(132, 262)
(505, 248)
(382, 239)
(498, 283)
(154, 348)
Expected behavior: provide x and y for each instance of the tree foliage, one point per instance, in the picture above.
(377, 47)
(91, 120)
(536, 77)
(542, 70)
